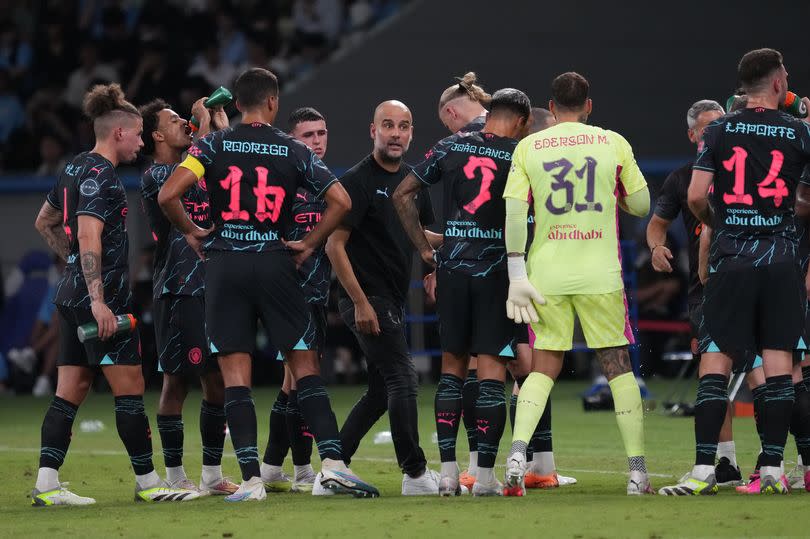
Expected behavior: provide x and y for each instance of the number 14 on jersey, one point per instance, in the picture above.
(771, 187)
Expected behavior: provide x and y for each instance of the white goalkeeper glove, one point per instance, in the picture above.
(519, 305)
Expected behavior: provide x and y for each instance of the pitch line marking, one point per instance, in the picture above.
(118, 453)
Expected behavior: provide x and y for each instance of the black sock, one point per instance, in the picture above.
(778, 407)
(317, 411)
(512, 410)
(133, 428)
(490, 414)
(806, 374)
(710, 411)
(241, 415)
(298, 432)
(800, 421)
(541, 439)
(170, 428)
(758, 394)
(56, 432)
(470, 396)
(447, 407)
(212, 432)
(278, 442)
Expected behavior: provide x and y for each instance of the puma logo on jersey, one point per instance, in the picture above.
(383, 192)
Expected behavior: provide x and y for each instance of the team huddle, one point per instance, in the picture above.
(249, 224)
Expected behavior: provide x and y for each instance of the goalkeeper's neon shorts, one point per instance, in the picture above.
(603, 317)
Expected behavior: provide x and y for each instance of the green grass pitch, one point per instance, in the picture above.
(587, 446)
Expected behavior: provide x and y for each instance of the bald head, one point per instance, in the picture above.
(390, 109)
(391, 131)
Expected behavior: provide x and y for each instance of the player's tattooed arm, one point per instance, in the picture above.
(614, 361)
(405, 204)
(89, 236)
(91, 268)
(49, 226)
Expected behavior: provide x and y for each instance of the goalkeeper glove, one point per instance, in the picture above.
(519, 305)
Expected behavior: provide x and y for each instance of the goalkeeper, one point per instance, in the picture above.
(577, 175)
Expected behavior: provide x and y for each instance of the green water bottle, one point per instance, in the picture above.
(734, 102)
(221, 96)
(123, 323)
(794, 106)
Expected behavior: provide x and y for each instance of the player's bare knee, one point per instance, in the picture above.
(74, 393)
(455, 364)
(491, 368)
(73, 383)
(714, 363)
(213, 388)
(755, 378)
(124, 379)
(614, 361)
(173, 394)
(303, 363)
(236, 369)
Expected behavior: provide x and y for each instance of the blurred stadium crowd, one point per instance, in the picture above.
(52, 51)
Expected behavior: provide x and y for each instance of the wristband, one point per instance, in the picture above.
(516, 267)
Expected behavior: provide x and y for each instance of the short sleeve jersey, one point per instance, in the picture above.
(253, 173)
(89, 185)
(575, 173)
(379, 249)
(757, 157)
(316, 271)
(178, 269)
(472, 168)
(670, 203)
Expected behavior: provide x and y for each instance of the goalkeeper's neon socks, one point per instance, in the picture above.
(629, 412)
(530, 405)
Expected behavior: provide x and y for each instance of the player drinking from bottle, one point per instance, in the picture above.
(253, 171)
(84, 222)
(179, 306)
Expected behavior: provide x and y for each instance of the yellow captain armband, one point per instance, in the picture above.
(194, 165)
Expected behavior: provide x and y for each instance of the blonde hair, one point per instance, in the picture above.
(466, 86)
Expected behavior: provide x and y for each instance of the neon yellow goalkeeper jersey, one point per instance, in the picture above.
(574, 173)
